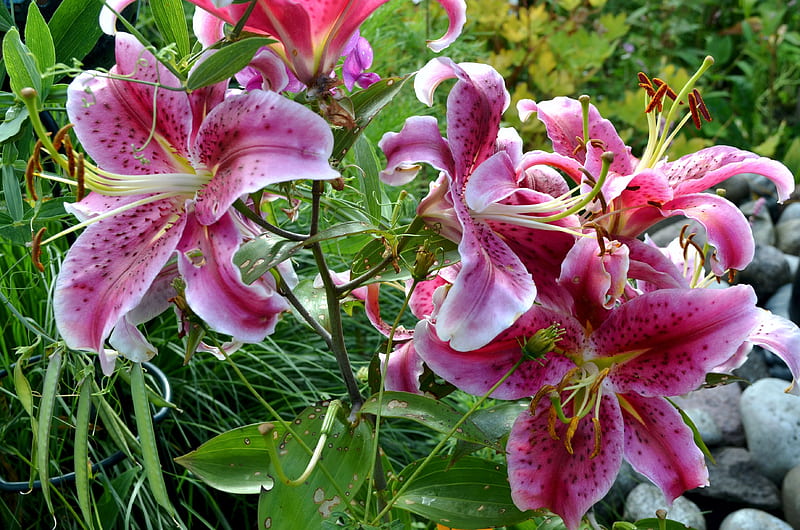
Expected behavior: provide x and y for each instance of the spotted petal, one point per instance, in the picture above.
(544, 475)
(214, 288)
(673, 337)
(659, 445)
(254, 140)
(109, 269)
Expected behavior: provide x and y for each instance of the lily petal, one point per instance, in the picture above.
(660, 446)
(780, 336)
(107, 19)
(109, 269)
(403, 369)
(214, 288)
(674, 337)
(418, 141)
(708, 167)
(257, 139)
(543, 474)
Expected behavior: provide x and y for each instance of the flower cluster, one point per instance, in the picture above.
(595, 326)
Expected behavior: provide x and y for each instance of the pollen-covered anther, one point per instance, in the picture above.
(669, 92)
(571, 430)
(79, 177)
(552, 417)
(598, 436)
(36, 249)
(657, 100)
(30, 170)
(545, 390)
(62, 137)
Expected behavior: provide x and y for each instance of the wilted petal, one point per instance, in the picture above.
(543, 474)
(257, 139)
(214, 289)
(660, 446)
(109, 269)
(708, 167)
(675, 336)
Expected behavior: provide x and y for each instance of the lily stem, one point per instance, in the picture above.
(337, 344)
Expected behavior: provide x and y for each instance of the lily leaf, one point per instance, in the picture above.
(256, 257)
(171, 22)
(225, 62)
(235, 461)
(470, 493)
(40, 43)
(20, 64)
(429, 412)
(366, 104)
(345, 458)
(74, 28)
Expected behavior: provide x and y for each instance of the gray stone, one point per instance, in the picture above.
(752, 519)
(778, 303)
(735, 479)
(787, 236)
(791, 497)
(771, 420)
(757, 214)
(768, 271)
(722, 405)
(790, 211)
(737, 188)
(753, 369)
(760, 185)
(665, 231)
(704, 422)
(645, 499)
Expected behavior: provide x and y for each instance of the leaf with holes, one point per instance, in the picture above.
(332, 485)
(235, 461)
(468, 493)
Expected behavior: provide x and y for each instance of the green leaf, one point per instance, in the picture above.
(171, 22)
(14, 118)
(470, 493)
(235, 461)
(40, 43)
(81, 451)
(11, 190)
(372, 254)
(429, 412)
(366, 105)
(495, 422)
(256, 257)
(6, 20)
(653, 524)
(377, 202)
(74, 29)
(313, 300)
(715, 379)
(20, 64)
(225, 62)
(345, 458)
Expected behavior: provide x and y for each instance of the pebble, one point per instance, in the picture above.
(735, 479)
(752, 519)
(721, 404)
(760, 220)
(791, 497)
(771, 420)
(787, 236)
(768, 271)
(645, 499)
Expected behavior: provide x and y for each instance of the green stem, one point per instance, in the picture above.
(337, 345)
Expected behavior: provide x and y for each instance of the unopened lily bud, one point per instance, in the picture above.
(543, 341)
(425, 260)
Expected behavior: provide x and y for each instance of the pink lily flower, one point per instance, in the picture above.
(640, 192)
(314, 33)
(169, 167)
(599, 377)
